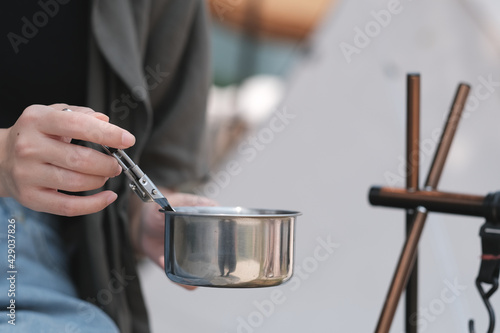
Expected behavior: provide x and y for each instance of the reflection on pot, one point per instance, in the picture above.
(227, 247)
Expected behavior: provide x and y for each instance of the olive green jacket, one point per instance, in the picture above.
(148, 70)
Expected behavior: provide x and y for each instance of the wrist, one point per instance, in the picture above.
(4, 132)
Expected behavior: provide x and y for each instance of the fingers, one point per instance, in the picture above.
(53, 202)
(80, 159)
(160, 261)
(51, 177)
(38, 160)
(81, 109)
(89, 111)
(82, 125)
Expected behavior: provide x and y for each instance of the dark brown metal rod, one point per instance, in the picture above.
(412, 181)
(413, 131)
(408, 254)
(447, 137)
(433, 201)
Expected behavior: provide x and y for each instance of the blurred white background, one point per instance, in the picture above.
(343, 131)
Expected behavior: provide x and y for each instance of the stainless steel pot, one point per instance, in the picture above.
(219, 246)
(229, 247)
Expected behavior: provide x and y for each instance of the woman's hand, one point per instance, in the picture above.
(37, 159)
(148, 224)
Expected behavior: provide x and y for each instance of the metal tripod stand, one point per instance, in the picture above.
(418, 202)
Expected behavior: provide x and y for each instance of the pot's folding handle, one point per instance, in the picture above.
(140, 182)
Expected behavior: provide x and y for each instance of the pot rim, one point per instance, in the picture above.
(238, 211)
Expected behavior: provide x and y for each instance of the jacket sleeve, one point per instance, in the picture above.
(176, 68)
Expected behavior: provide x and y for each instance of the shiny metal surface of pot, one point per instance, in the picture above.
(229, 247)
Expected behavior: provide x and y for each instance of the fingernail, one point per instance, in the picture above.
(118, 170)
(111, 198)
(128, 139)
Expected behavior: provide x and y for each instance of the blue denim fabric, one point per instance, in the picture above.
(45, 298)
